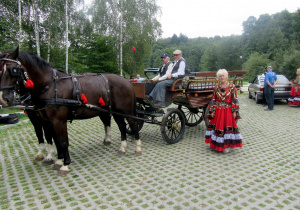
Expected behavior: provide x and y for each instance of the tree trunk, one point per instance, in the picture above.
(20, 23)
(36, 29)
(121, 40)
(67, 38)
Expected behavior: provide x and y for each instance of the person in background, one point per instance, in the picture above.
(139, 78)
(223, 112)
(294, 99)
(164, 71)
(158, 94)
(270, 82)
(262, 81)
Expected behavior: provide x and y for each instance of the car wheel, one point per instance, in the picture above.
(256, 99)
(249, 95)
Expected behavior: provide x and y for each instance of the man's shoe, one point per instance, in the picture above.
(264, 105)
(160, 111)
(268, 109)
(226, 150)
(149, 97)
(160, 104)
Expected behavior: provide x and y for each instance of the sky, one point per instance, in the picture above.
(209, 18)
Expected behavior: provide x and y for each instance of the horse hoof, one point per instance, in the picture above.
(47, 162)
(62, 173)
(56, 167)
(138, 153)
(39, 158)
(106, 143)
(121, 153)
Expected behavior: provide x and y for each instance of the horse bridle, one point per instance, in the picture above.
(16, 71)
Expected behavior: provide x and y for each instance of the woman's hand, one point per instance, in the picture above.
(234, 114)
(213, 115)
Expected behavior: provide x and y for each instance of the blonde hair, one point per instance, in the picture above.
(221, 72)
(298, 70)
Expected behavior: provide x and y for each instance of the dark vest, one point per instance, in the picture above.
(176, 66)
(163, 69)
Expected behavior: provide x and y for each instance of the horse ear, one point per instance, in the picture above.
(16, 53)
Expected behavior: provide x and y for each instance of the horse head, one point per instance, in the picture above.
(12, 78)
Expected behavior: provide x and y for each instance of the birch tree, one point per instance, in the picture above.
(132, 23)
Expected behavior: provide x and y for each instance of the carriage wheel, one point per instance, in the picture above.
(205, 112)
(140, 123)
(172, 126)
(193, 116)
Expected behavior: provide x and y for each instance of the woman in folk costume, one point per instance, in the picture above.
(222, 132)
(294, 99)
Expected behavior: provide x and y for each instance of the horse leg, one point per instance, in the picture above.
(61, 130)
(122, 127)
(134, 127)
(106, 119)
(59, 162)
(48, 131)
(34, 119)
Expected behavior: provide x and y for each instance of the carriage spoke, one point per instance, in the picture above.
(173, 126)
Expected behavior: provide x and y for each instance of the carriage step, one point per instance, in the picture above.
(156, 114)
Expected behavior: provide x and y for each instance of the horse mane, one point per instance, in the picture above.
(34, 60)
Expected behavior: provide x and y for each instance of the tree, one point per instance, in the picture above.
(256, 64)
(98, 55)
(291, 62)
(139, 28)
(209, 59)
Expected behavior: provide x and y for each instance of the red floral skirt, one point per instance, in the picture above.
(222, 131)
(294, 99)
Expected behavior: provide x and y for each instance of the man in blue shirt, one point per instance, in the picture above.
(139, 78)
(269, 83)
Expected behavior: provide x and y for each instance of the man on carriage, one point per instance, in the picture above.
(158, 94)
(164, 71)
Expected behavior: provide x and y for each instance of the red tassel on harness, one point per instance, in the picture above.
(101, 102)
(83, 98)
(29, 84)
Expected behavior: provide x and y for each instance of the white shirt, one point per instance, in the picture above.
(181, 70)
(262, 79)
(168, 72)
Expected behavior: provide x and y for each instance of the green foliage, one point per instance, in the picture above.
(97, 56)
(209, 59)
(95, 38)
(291, 63)
(255, 65)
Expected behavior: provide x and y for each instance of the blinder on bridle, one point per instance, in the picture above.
(14, 71)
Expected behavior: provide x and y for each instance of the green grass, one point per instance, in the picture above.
(9, 110)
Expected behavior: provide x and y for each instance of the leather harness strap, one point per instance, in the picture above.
(108, 93)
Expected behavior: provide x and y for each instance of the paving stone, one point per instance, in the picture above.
(264, 174)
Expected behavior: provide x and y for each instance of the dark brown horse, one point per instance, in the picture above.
(60, 97)
(41, 128)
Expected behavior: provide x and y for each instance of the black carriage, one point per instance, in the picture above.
(186, 103)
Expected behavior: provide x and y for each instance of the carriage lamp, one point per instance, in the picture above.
(196, 94)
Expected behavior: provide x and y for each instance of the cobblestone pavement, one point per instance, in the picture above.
(264, 174)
